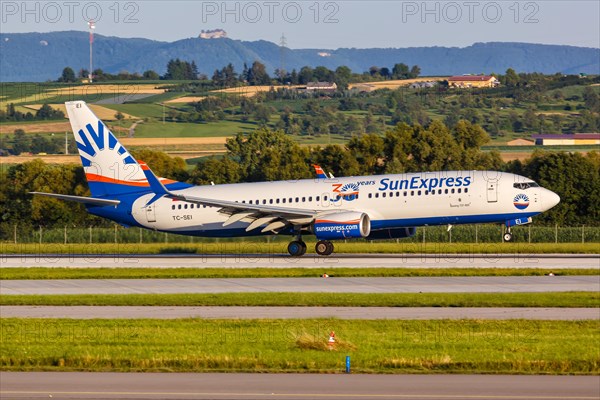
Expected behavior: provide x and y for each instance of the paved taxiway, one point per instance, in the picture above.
(85, 385)
(368, 313)
(467, 284)
(525, 260)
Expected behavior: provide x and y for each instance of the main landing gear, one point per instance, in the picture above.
(297, 248)
(324, 247)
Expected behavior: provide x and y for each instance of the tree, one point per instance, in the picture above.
(368, 150)
(511, 79)
(385, 73)
(162, 164)
(305, 76)
(257, 75)
(151, 75)
(215, 170)
(400, 71)
(342, 77)
(591, 99)
(68, 75)
(269, 155)
(323, 74)
(181, 70)
(414, 71)
(574, 177)
(21, 142)
(119, 117)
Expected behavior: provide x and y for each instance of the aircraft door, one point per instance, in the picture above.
(492, 191)
(151, 213)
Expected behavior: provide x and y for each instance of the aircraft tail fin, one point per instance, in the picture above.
(319, 171)
(109, 168)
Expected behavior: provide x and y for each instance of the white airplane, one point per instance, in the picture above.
(371, 207)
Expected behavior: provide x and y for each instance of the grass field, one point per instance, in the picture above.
(49, 272)
(184, 129)
(195, 345)
(559, 299)
(233, 246)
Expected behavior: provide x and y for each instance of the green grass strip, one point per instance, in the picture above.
(558, 299)
(384, 346)
(225, 273)
(279, 247)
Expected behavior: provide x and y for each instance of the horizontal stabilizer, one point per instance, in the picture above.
(81, 199)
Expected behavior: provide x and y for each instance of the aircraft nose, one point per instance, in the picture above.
(550, 199)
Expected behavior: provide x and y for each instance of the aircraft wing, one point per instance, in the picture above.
(275, 218)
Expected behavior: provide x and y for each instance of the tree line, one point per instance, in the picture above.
(272, 155)
(45, 112)
(254, 74)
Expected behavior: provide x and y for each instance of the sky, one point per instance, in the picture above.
(321, 24)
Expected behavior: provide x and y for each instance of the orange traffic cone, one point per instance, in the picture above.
(331, 341)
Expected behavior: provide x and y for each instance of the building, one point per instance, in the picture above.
(574, 139)
(321, 86)
(212, 34)
(520, 142)
(473, 81)
(422, 85)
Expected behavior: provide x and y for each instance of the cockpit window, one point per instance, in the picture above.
(525, 185)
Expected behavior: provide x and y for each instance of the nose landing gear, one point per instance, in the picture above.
(507, 235)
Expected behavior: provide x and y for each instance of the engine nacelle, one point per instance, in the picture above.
(342, 225)
(396, 233)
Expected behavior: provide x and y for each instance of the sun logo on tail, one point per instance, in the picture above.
(89, 148)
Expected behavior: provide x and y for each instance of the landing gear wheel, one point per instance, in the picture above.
(507, 237)
(324, 247)
(297, 248)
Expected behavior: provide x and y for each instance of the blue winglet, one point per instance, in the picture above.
(155, 184)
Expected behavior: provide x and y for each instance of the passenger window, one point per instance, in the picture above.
(419, 193)
(370, 195)
(412, 192)
(383, 194)
(452, 191)
(466, 190)
(185, 206)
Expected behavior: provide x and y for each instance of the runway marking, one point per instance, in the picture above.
(326, 395)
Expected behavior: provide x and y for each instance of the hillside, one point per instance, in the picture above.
(42, 56)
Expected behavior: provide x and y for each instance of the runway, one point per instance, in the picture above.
(86, 385)
(363, 313)
(467, 284)
(548, 261)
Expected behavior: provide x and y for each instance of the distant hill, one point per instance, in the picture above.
(42, 56)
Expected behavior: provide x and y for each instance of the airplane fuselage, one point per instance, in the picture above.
(391, 201)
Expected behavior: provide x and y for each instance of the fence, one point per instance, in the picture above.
(428, 234)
